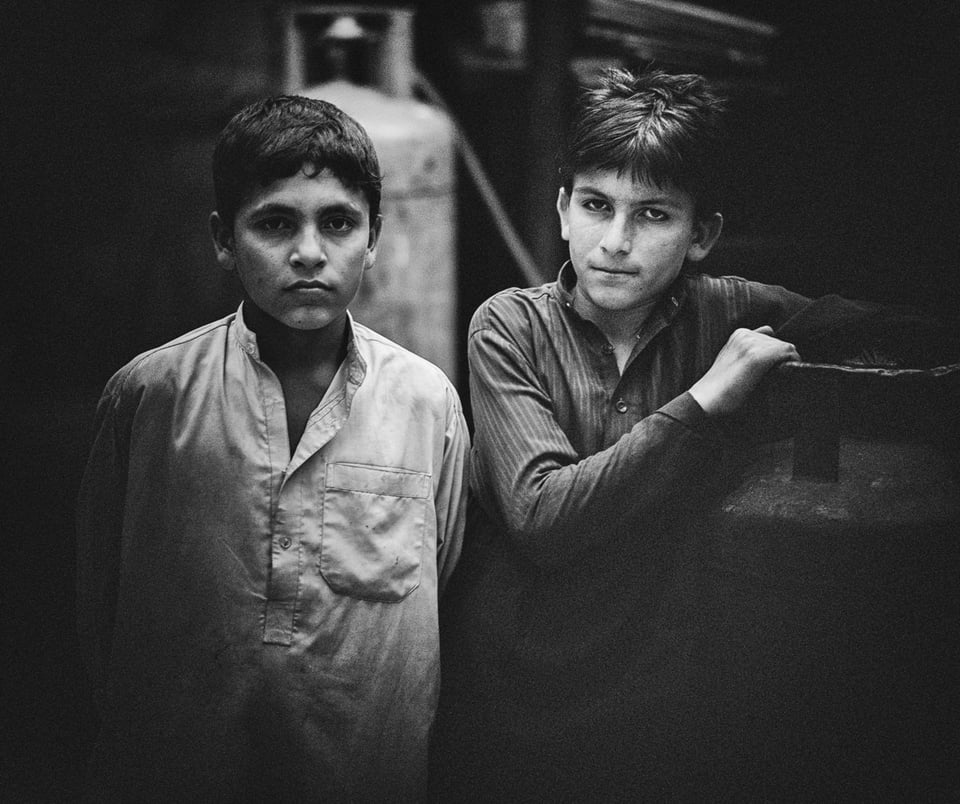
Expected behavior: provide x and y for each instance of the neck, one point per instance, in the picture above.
(620, 326)
(285, 349)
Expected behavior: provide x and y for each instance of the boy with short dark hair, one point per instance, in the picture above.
(272, 506)
(601, 406)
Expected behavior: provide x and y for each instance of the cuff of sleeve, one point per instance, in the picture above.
(687, 411)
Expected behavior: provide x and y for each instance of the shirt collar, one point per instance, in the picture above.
(666, 310)
(566, 281)
(358, 353)
(246, 338)
(357, 349)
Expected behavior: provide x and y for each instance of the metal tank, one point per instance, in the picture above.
(818, 612)
(361, 59)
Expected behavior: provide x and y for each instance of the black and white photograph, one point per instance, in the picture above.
(482, 401)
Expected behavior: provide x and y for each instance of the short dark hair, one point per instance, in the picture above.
(275, 137)
(662, 128)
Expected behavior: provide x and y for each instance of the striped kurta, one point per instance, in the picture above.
(567, 449)
(582, 482)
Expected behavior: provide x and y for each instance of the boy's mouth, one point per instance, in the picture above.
(614, 271)
(309, 284)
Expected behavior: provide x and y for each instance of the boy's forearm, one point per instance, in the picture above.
(556, 507)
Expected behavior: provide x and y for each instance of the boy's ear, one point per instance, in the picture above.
(705, 234)
(222, 241)
(563, 207)
(376, 226)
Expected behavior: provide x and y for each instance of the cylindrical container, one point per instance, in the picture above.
(410, 295)
(824, 619)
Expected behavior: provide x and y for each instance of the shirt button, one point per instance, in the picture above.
(621, 406)
(285, 542)
(607, 349)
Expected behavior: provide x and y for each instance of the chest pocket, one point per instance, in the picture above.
(374, 521)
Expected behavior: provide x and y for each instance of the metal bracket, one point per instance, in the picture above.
(816, 444)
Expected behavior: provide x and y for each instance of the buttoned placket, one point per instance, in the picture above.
(608, 373)
(625, 413)
(616, 384)
(291, 498)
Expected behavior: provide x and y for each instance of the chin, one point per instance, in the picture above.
(615, 302)
(311, 325)
(308, 320)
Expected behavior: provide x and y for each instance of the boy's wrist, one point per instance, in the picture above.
(687, 410)
(706, 398)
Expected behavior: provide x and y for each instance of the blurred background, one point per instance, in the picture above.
(844, 145)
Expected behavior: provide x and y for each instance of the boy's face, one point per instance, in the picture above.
(300, 246)
(628, 239)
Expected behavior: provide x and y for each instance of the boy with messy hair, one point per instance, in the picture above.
(272, 506)
(606, 405)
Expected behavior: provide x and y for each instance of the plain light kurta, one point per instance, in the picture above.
(260, 624)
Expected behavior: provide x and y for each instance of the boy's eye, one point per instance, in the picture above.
(339, 224)
(274, 224)
(594, 205)
(653, 214)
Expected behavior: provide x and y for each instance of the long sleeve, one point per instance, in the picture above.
(99, 524)
(290, 602)
(555, 503)
(570, 452)
(451, 494)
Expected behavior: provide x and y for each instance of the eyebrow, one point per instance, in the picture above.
(271, 207)
(657, 200)
(277, 207)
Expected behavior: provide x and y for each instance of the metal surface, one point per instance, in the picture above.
(817, 403)
(410, 295)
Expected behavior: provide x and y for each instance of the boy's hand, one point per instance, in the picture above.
(744, 359)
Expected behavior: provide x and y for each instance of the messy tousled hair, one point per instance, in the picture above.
(661, 128)
(275, 137)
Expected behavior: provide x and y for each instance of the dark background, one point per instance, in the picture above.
(847, 155)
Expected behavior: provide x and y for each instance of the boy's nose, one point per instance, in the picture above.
(617, 237)
(308, 250)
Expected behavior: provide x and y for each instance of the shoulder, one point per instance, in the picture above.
(389, 364)
(155, 366)
(514, 309)
(706, 285)
(738, 293)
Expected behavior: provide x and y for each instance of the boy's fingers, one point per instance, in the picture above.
(791, 354)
